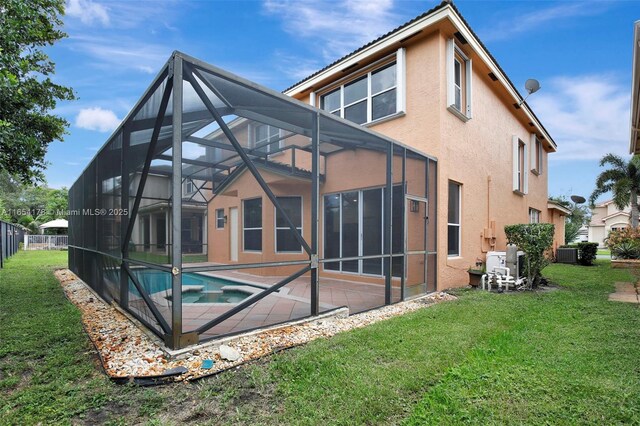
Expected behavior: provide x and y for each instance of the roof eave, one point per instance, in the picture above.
(551, 205)
(445, 12)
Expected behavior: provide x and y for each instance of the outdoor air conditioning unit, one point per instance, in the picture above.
(499, 259)
(567, 255)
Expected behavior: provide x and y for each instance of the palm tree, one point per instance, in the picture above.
(623, 181)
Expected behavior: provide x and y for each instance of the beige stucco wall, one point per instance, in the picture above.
(348, 170)
(477, 154)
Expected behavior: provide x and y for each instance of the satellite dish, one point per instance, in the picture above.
(578, 199)
(532, 85)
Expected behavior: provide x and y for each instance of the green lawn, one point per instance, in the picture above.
(560, 357)
(606, 252)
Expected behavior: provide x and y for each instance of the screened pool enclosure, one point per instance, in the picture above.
(220, 206)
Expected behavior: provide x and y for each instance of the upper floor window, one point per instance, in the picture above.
(375, 95)
(189, 187)
(534, 216)
(458, 81)
(536, 154)
(267, 138)
(520, 159)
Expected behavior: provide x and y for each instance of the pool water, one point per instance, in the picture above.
(211, 292)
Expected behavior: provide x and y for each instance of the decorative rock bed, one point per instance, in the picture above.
(128, 351)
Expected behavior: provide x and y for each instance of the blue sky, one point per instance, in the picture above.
(579, 51)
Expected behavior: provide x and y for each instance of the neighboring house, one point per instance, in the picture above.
(606, 217)
(582, 236)
(154, 223)
(432, 85)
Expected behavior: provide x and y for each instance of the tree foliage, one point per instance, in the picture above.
(29, 205)
(580, 216)
(27, 93)
(535, 239)
(622, 180)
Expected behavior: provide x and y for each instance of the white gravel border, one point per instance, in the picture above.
(126, 350)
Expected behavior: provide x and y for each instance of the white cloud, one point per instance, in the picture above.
(87, 11)
(102, 120)
(588, 116)
(336, 27)
(540, 18)
(294, 66)
(122, 53)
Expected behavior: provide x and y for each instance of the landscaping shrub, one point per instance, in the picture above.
(535, 239)
(575, 246)
(625, 243)
(626, 250)
(587, 253)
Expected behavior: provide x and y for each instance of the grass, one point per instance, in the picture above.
(605, 252)
(563, 357)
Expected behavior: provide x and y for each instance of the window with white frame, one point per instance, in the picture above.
(534, 216)
(252, 224)
(372, 96)
(267, 138)
(219, 218)
(459, 75)
(453, 221)
(189, 187)
(520, 169)
(286, 241)
(536, 154)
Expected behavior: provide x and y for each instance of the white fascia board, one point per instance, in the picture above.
(560, 208)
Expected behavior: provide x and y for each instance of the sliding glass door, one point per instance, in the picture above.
(354, 226)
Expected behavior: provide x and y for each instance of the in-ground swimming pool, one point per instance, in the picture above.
(207, 289)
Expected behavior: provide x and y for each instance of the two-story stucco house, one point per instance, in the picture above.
(606, 217)
(432, 85)
(382, 177)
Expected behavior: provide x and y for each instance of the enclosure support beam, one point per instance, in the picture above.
(251, 300)
(315, 194)
(147, 164)
(404, 221)
(388, 228)
(124, 221)
(176, 207)
(147, 300)
(247, 161)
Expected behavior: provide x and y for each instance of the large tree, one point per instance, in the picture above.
(622, 179)
(30, 205)
(580, 215)
(27, 93)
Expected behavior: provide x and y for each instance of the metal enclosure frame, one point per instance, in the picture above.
(115, 199)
